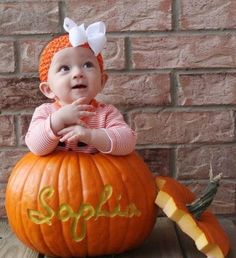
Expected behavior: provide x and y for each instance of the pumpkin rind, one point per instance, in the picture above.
(207, 233)
(79, 178)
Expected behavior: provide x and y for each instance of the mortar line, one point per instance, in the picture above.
(175, 15)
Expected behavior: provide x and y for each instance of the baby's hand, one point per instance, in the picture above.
(75, 133)
(72, 113)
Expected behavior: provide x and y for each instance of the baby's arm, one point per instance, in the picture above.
(98, 138)
(115, 138)
(123, 138)
(42, 137)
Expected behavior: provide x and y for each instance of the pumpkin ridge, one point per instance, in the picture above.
(50, 251)
(12, 182)
(143, 183)
(70, 248)
(111, 160)
(105, 174)
(123, 160)
(67, 158)
(64, 159)
(17, 165)
(135, 165)
(119, 172)
(49, 161)
(102, 180)
(79, 163)
(23, 190)
(129, 221)
(20, 214)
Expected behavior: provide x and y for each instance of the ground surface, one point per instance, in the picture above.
(166, 241)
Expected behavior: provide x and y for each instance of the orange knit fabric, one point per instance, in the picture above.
(51, 49)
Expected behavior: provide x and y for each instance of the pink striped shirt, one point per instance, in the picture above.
(41, 140)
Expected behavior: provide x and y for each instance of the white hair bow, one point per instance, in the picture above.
(94, 35)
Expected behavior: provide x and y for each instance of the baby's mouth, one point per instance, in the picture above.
(79, 86)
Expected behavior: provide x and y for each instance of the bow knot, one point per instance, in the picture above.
(94, 35)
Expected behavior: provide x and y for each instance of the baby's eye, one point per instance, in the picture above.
(64, 68)
(88, 64)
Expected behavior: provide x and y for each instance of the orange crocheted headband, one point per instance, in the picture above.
(93, 37)
(51, 49)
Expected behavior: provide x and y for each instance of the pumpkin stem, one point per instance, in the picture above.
(198, 206)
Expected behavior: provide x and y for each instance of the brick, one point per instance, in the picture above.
(114, 54)
(20, 93)
(24, 122)
(183, 51)
(8, 159)
(7, 60)
(158, 160)
(217, 14)
(29, 54)
(166, 127)
(206, 89)
(224, 201)
(137, 89)
(7, 131)
(30, 50)
(122, 15)
(29, 18)
(194, 162)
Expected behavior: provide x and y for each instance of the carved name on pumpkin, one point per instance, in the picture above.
(85, 212)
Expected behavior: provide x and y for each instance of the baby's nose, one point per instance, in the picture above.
(77, 72)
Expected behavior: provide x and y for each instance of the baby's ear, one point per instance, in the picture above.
(46, 90)
(104, 79)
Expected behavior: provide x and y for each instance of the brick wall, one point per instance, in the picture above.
(172, 73)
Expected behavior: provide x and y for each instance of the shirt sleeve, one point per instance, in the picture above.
(40, 138)
(122, 137)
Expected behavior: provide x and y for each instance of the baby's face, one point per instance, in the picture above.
(75, 73)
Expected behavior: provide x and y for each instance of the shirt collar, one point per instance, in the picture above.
(93, 102)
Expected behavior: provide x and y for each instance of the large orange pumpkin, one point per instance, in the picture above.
(76, 204)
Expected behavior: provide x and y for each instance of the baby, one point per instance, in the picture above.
(71, 73)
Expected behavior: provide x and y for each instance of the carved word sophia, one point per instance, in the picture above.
(85, 212)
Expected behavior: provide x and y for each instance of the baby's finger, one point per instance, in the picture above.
(81, 123)
(86, 113)
(65, 130)
(66, 137)
(80, 101)
(85, 108)
(73, 138)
